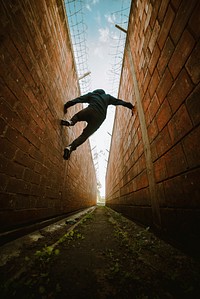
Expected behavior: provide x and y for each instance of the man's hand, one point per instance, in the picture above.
(133, 110)
(65, 108)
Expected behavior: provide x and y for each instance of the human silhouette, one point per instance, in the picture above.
(94, 115)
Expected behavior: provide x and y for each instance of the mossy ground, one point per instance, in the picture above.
(105, 256)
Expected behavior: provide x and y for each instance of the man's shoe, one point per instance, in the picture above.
(67, 153)
(67, 123)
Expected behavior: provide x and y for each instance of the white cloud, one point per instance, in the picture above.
(98, 52)
(104, 35)
(88, 7)
(110, 18)
(98, 17)
(114, 35)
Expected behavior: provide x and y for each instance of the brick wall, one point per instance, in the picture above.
(153, 172)
(37, 76)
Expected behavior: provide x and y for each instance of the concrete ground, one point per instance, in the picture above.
(97, 254)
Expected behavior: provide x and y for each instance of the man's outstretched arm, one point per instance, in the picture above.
(118, 102)
(81, 99)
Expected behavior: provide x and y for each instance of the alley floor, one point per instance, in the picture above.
(100, 255)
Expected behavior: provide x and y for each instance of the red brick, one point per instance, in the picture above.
(141, 180)
(180, 90)
(3, 126)
(33, 76)
(23, 114)
(31, 96)
(160, 170)
(14, 170)
(146, 101)
(153, 107)
(154, 36)
(181, 19)
(164, 85)
(154, 59)
(180, 124)
(140, 148)
(166, 25)
(161, 194)
(7, 94)
(18, 139)
(18, 60)
(23, 159)
(7, 201)
(41, 168)
(191, 187)
(193, 64)
(148, 16)
(181, 53)
(154, 82)
(6, 111)
(172, 120)
(154, 154)
(8, 149)
(191, 148)
(163, 142)
(36, 154)
(3, 181)
(18, 186)
(141, 10)
(193, 105)
(156, 6)
(4, 20)
(32, 138)
(175, 160)
(31, 176)
(152, 130)
(164, 114)
(182, 187)
(175, 4)
(194, 22)
(162, 10)
(22, 202)
(165, 56)
(14, 85)
(146, 81)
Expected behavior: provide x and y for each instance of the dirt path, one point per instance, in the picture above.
(106, 256)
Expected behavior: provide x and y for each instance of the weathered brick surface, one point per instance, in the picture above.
(163, 191)
(37, 76)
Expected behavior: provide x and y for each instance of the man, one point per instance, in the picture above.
(94, 115)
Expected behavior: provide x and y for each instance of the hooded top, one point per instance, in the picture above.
(99, 101)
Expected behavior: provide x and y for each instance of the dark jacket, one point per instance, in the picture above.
(99, 101)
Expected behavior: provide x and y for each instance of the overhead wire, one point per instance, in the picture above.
(117, 47)
(78, 30)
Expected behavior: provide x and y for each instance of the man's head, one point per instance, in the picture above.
(99, 91)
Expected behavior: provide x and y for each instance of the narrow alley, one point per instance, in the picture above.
(101, 255)
(56, 241)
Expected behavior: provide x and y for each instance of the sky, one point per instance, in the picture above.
(104, 45)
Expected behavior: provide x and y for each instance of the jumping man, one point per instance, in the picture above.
(94, 115)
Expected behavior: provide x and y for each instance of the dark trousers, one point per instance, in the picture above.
(94, 121)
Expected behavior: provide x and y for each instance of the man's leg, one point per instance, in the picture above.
(87, 132)
(70, 122)
(94, 121)
(83, 115)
